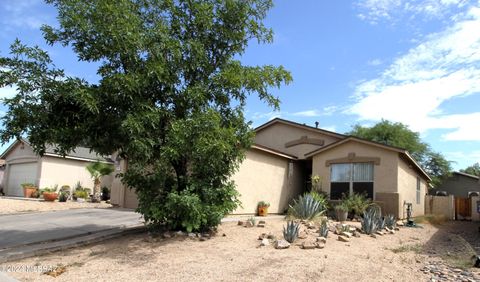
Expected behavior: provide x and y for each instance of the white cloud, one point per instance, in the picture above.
(329, 128)
(445, 66)
(308, 113)
(375, 62)
(7, 92)
(268, 116)
(375, 11)
(463, 159)
(22, 14)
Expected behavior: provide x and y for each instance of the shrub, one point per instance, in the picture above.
(263, 204)
(81, 194)
(320, 197)
(358, 203)
(306, 207)
(290, 233)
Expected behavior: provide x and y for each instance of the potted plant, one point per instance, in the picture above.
(63, 196)
(28, 189)
(49, 194)
(105, 193)
(341, 212)
(263, 208)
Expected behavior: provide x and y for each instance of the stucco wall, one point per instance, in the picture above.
(459, 185)
(407, 187)
(384, 174)
(67, 172)
(276, 135)
(266, 177)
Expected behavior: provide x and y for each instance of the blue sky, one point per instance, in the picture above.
(416, 62)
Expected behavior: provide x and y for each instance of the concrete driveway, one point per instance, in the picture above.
(27, 229)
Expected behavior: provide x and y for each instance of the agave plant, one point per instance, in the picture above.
(253, 220)
(290, 233)
(381, 223)
(390, 221)
(323, 229)
(306, 207)
(370, 221)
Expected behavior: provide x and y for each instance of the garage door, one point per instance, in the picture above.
(18, 174)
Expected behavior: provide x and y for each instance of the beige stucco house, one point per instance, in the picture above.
(23, 165)
(286, 154)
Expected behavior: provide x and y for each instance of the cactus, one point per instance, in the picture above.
(290, 233)
(390, 221)
(370, 221)
(306, 207)
(323, 229)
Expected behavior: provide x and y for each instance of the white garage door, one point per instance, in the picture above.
(18, 174)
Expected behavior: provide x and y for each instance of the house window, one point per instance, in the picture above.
(418, 190)
(348, 178)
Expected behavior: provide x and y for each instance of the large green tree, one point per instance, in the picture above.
(169, 98)
(399, 135)
(473, 169)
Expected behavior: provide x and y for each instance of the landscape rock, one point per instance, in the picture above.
(241, 222)
(302, 235)
(192, 235)
(322, 240)
(265, 242)
(261, 225)
(379, 233)
(281, 244)
(356, 234)
(271, 236)
(391, 231)
(308, 245)
(320, 245)
(248, 224)
(397, 229)
(167, 235)
(343, 238)
(347, 234)
(262, 236)
(373, 235)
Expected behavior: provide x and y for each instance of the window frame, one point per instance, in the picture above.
(418, 190)
(351, 180)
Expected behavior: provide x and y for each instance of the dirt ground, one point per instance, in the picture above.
(9, 206)
(234, 255)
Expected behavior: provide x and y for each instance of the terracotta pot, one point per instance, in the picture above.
(50, 196)
(28, 191)
(262, 211)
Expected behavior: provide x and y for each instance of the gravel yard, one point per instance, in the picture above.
(11, 206)
(411, 254)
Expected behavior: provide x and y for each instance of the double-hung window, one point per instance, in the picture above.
(348, 178)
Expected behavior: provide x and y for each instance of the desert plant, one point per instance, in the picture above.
(306, 207)
(263, 204)
(290, 233)
(252, 220)
(63, 196)
(105, 193)
(35, 194)
(320, 197)
(358, 203)
(97, 170)
(81, 194)
(370, 221)
(390, 221)
(342, 228)
(381, 223)
(323, 229)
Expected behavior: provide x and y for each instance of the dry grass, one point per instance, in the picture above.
(431, 218)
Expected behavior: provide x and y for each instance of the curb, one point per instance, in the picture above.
(43, 248)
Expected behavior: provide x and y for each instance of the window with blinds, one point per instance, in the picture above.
(347, 178)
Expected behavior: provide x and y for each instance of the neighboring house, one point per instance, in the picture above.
(459, 184)
(279, 165)
(24, 166)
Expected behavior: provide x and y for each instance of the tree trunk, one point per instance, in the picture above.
(96, 191)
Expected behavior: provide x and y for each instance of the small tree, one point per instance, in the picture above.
(97, 170)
